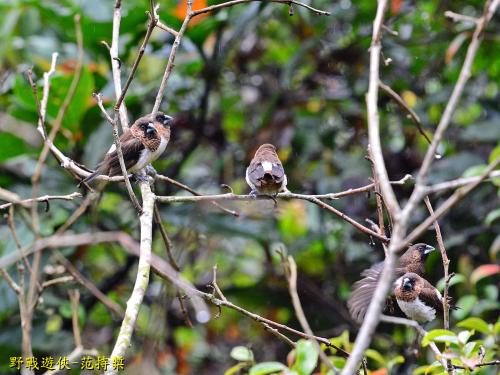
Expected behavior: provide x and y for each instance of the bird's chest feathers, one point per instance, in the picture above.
(150, 154)
(417, 310)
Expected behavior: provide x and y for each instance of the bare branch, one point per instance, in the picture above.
(465, 73)
(460, 17)
(459, 182)
(406, 107)
(194, 192)
(44, 198)
(456, 197)
(285, 195)
(235, 2)
(115, 62)
(119, 152)
(171, 58)
(291, 275)
(142, 280)
(446, 263)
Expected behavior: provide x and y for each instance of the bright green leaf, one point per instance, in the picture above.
(265, 368)
(242, 354)
(306, 357)
(439, 335)
(475, 324)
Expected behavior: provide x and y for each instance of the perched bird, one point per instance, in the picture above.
(417, 298)
(265, 174)
(142, 144)
(411, 261)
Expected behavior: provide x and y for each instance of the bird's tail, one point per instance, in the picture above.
(89, 178)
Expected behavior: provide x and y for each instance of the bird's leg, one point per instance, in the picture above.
(253, 194)
(141, 176)
(273, 197)
(151, 171)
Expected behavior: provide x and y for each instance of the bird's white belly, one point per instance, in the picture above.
(147, 156)
(417, 310)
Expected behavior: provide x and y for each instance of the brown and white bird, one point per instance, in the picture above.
(265, 174)
(417, 298)
(413, 260)
(142, 144)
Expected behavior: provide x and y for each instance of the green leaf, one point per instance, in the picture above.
(475, 324)
(474, 171)
(11, 146)
(440, 335)
(494, 154)
(236, 368)
(265, 368)
(307, 357)
(242, 354)
(492, 216)
(464, 336)
(376, 356)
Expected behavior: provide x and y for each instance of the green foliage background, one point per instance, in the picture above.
(244, 76)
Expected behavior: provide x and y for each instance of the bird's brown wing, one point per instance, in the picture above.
(256, 174)
(363, 291)
(131, 149)
(278, 173)
(430, 297)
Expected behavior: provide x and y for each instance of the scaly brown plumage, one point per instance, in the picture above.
(142, 144)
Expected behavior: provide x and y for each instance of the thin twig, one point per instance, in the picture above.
(456, 17)
(234, 2)
(44, 198)
(58, 280)
(171, 57)
(194, 192)
(459, 182)
(152, 21)
(115, 62)
(291, 276)
(65, 105)
(406, 107)
(446, 263)
(285, 195)
(465, 73)
(422, 332)
(456, 197)
(74, 296)
(116, 137)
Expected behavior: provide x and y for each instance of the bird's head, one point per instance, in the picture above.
(408, 283)
(423, 249)
(163, 119)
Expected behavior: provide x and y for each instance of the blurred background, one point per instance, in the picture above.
(243, 76)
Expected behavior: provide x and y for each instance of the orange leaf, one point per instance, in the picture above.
(380, 371)
(181, 10)
(455, 46)
(484, 271)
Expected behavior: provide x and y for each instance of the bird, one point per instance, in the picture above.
(141, 144)
(411, 261)
(265, 174)
(417, 298)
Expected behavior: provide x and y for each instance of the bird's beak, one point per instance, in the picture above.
(428, 249)
(167, 120)
(150, 129)
(406, 283)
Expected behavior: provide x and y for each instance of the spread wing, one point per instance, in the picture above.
(257, 175)
(363, 291)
